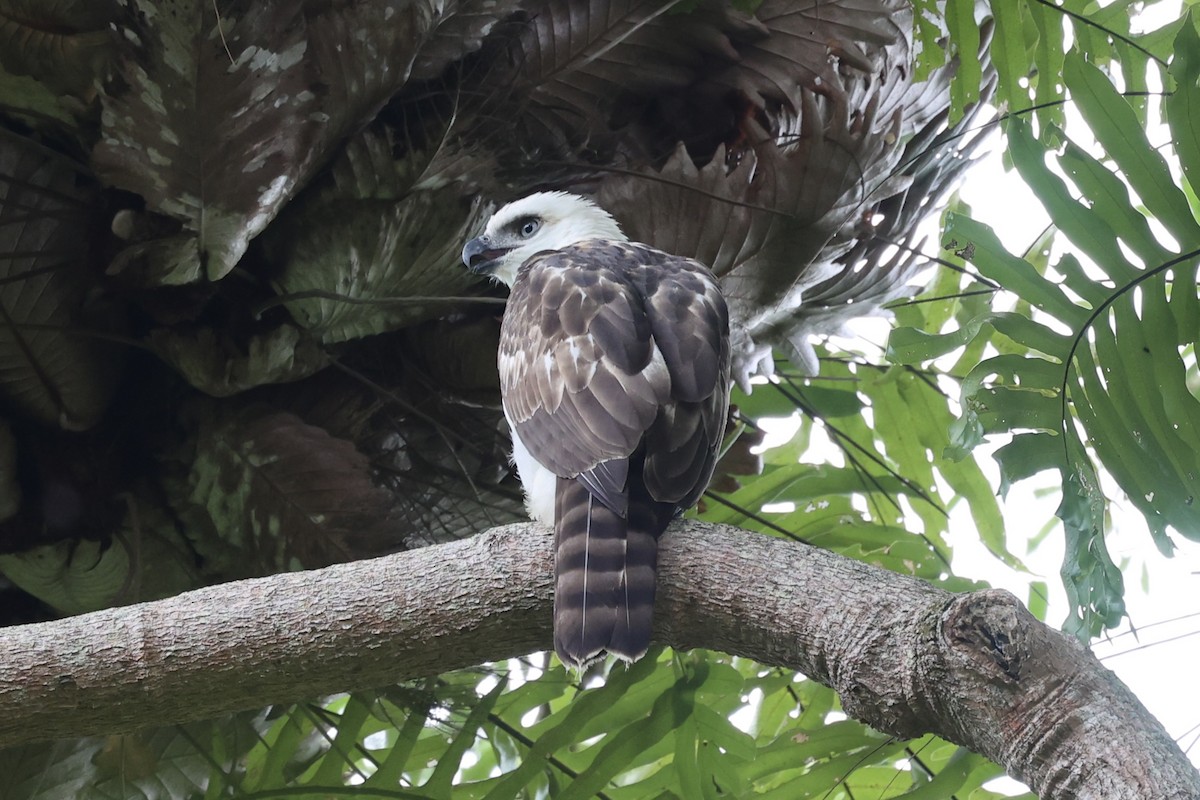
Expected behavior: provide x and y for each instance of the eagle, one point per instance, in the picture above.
(614, 373)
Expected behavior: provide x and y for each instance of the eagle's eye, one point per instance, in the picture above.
(529, 227)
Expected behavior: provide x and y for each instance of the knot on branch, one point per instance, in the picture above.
(989, 630)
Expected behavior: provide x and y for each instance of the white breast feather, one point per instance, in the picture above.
(538, 482)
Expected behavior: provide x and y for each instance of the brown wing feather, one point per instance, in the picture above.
(603, 336)
(690, 325)
(574, 352)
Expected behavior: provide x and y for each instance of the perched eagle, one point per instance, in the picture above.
(614, 369)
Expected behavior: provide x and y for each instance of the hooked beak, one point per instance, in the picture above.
(480, 256)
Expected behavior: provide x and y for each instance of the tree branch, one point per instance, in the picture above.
(906, 657)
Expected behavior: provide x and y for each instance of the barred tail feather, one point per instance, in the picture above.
(604, 577)
(635, 595)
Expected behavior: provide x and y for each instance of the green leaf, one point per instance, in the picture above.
(764, 401)
(441, 782)
(1110, 201)
(832, 403)
(49, 373)
(927, 33)
(218, 138)
(717, 729)
(1010, 55)
(1116, 127)
(1183, 104)
(391, 769)
(77, 576)
(220, 365)
(1094, 585)
(1071, 216)
(342, 750)
(686, 762)
(279, 493)
(1038, 602)
(1048, 65)
(353, 267)
(961, 773)
(281, 747)
(590, 713)
(964, 41)
(1027, 455)
(33, 101)
(628, 747)
(914, 346)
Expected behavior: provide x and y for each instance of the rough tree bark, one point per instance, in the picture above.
(906, 657)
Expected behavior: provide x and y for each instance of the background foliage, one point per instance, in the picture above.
(314, 419)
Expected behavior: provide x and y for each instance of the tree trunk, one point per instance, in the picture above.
(906, 657)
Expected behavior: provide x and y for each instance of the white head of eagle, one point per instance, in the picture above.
(614, 375)
(542, 221)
